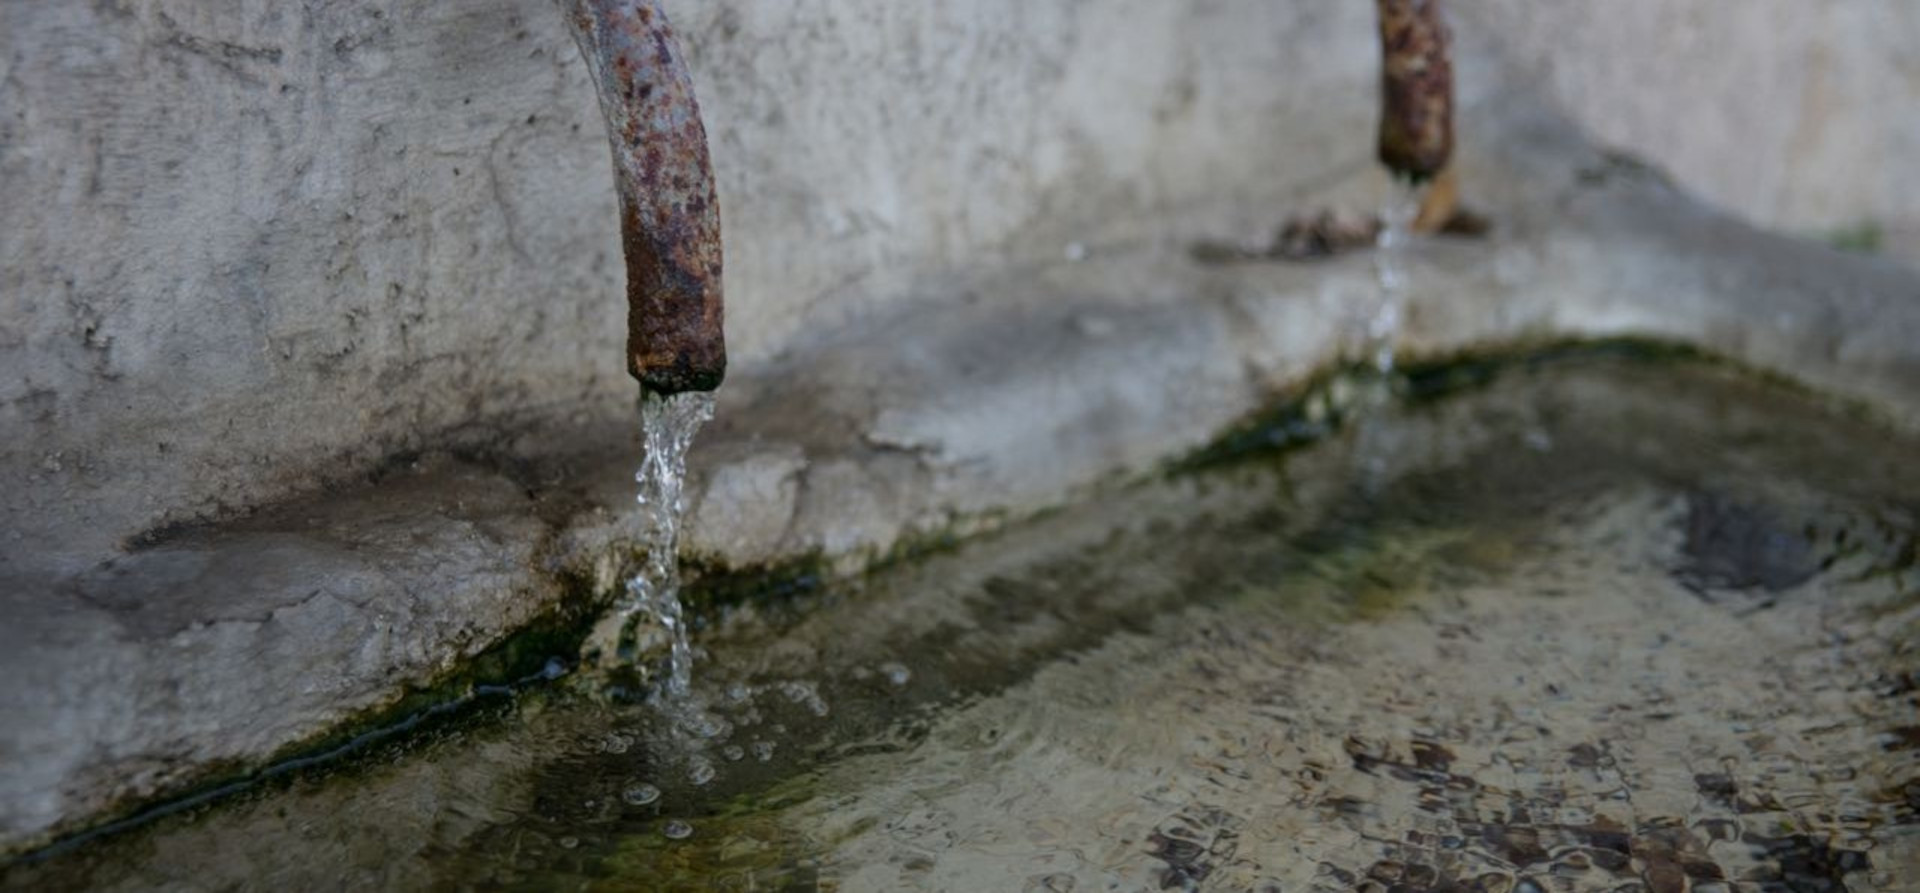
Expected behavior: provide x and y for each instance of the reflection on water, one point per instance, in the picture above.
(1599, 625)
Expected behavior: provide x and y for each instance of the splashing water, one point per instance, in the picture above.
(687, 730)
(668, 425)
(1396, 230)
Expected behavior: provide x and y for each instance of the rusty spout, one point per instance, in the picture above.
(1416, 86)
(669, 217)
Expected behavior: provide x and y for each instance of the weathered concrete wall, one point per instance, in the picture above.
(1794, 114)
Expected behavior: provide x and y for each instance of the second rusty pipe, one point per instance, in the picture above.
(669, 216)
(1416, 87)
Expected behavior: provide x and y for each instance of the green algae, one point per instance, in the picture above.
(1325, 401)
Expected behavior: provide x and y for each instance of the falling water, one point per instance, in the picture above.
(1396, 230)
(688, 734)
(668, 425)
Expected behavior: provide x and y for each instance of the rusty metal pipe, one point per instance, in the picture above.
(1416, 86)
(669, 216)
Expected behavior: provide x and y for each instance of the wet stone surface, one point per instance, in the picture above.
(1598, 625)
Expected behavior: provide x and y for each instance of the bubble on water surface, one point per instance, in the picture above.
(762, 750)
(677, 830)
(733, 752)
(805, 695)
(640, 794)
(896, 672)
(700, 771)
(706, 725)
(1051, 883)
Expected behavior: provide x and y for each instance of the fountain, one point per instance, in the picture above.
(1410, 643)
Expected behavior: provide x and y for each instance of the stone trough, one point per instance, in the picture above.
(312, 380)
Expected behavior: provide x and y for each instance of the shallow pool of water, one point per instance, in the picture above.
(1595, 624)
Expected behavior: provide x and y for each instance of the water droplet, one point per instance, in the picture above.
(554, 669)
(640, 794)
(677, 830)
(896, 673)
(762, 750)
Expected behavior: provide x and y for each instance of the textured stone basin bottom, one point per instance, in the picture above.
(1582, 623)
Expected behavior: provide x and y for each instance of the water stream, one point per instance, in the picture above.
(1396, 232)
(668, 425)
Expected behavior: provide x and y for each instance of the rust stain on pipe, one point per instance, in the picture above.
(669, 216)
(1416, 84)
